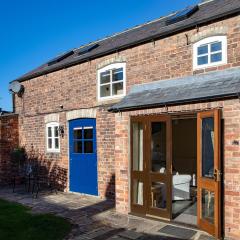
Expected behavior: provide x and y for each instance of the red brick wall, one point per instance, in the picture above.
(231, 161)
(76, 88)
(9, 139)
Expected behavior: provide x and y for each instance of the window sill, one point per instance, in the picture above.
(209, 66)
(107, 101)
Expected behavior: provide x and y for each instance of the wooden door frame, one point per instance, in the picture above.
(147, 176)
(209, 184)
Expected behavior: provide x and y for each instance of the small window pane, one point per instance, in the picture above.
(57, 143)
(217, 57)
(88, 133)
(49, 132)
(77, 146)
(105, 77)
(159, 195)
(105, 91)
(50, 143)
(203, 60)
(216, 47)
(56, 131)
(137, 192)
(88, 147)
(118, 74)
(117, 88)
(77, 133)
(203, 50)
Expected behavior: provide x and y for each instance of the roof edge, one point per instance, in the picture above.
(136, 43)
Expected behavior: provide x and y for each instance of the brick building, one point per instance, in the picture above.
(148, 117)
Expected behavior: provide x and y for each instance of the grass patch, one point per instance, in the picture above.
(18, 223)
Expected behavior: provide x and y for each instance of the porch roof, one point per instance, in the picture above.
(211, 86)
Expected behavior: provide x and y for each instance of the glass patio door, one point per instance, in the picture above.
(151, 165)
(209, 172)
(159, 166)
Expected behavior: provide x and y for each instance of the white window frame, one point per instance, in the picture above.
(208, 41)
(53, 149)
(107, 68)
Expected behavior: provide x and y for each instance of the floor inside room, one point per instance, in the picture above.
(184, 192)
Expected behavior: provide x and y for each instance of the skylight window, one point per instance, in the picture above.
(60, 58)
(182, 15)
(87, 49)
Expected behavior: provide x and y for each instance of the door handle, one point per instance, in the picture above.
(217, 175)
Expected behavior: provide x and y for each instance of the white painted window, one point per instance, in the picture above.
(112, 81)
(52, 137)
(209, 52)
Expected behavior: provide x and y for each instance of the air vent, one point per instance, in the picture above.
(182, 15)
(60, 58)
(87, 49)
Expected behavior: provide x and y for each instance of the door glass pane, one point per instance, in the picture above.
(88, 147)
(158, 195)
(137, 147)
(78, 133)
(208, 147)
(208, 205)
(88, 133)
(77, 146)
(158, 147)
(137, 192)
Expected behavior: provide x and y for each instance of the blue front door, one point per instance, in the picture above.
(83, 156)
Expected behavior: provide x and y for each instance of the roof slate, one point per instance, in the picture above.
(209, 86)
(208, 11)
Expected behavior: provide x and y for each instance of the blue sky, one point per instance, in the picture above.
(33, 32)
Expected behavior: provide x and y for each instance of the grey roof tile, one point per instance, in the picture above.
(208, 11)
(209, 86)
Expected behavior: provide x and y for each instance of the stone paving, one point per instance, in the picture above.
(93, 218)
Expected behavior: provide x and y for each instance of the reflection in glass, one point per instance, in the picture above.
(208, 147)
(208, 205)
(77, 146)
(203, 60)
(137, 192)
(77, 133)
(57, 143)
(88, 147)
(137, 146)
(158, 195)
(49, 143)
(105, 77)
(203, 50)
(217, 57)
(56, 132)
(158, 147)
(88, 133)
(117, 88)
(118, 74)
(49, 132)
(105, 90)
